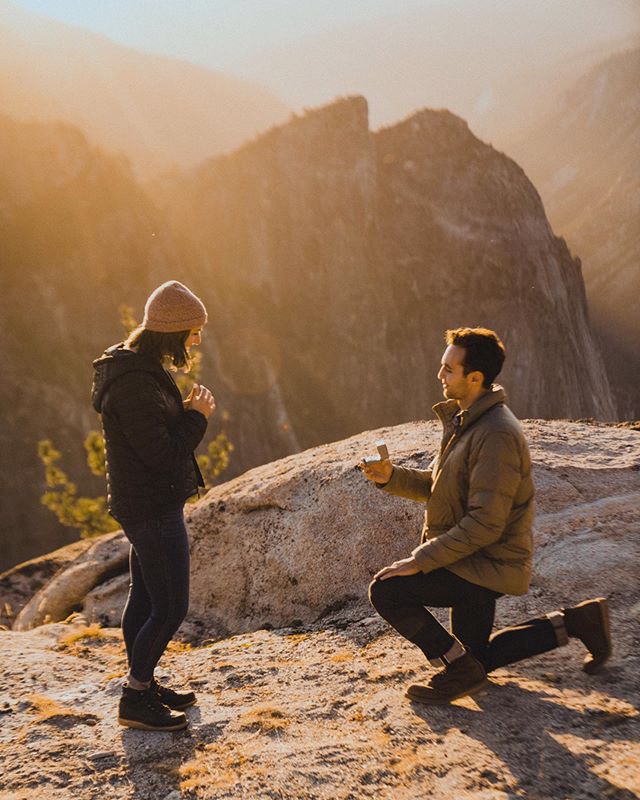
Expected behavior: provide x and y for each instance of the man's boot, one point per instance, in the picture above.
(589, 622)
(460, 677)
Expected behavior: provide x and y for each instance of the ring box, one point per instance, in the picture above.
(383, 453)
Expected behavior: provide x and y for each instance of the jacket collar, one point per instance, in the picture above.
(448, 409)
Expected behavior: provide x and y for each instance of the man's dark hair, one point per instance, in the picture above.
(156, 345)
(483, 351)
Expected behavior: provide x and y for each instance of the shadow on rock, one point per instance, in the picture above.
(154, 759)
(545, 745)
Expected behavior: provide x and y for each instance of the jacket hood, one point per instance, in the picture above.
(114, 362)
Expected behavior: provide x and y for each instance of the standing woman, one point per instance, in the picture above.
(150, 434)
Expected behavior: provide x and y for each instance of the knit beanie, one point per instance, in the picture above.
(172, 308)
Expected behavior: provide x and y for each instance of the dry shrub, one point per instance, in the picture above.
(408, 760)
(45, 707)
(70, 641)
(338, 658)
(224, 666)
(117, 651)
(265, 719)
(81, 641)
(111, 675)
(297, 638)
(179, 647)
(47, 710)
(217, 766)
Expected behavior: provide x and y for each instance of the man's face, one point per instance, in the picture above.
(455, 384)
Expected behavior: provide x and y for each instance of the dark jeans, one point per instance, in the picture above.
(159, 591)
(402, 600)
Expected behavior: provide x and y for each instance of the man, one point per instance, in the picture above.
(477, 538)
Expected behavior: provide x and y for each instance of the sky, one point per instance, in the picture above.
(227, 34)
(220, 34)
(471, 56)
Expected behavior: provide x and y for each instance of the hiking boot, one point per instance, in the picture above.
(144, 710)
(171, 699)
(460, 677)
(589, 622)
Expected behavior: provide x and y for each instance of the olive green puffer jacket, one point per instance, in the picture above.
(479, 496)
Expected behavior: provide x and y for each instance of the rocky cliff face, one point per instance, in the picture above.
(464, 239)
(584, 159)
(349, 253)
(331, 258)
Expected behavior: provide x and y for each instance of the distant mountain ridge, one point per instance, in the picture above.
(159, 111)
(585, 160)
(496, 64)
(354, 250)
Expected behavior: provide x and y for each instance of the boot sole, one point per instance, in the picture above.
(432, 699)
(141, 726)
(593, 664)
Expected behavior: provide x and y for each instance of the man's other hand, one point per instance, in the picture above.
(406, 566)
(378, 471)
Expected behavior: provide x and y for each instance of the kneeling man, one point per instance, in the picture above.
(477, 537)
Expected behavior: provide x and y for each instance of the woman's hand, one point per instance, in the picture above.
(406, 566)
(186, 403)
(200, 399)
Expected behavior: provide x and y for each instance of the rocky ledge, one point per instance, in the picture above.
(312, 706)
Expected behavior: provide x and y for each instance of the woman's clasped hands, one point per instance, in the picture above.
(200, 399)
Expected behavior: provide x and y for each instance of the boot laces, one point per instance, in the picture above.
(153, 702)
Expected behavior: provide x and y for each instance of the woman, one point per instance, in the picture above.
(150, 434)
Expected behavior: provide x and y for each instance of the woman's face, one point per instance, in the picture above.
(194, 339)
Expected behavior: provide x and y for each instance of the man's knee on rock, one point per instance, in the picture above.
(381, 592)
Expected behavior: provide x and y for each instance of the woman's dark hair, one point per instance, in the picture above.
(156, 345)
(483, 351)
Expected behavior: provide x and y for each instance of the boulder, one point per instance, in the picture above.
(67, 590)
(20, 583)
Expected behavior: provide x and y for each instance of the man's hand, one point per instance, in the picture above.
(378, 471)
(406, 566)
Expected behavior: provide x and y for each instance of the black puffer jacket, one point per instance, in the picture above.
(149, 437)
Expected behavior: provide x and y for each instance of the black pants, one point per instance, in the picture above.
(159, 591)
(402, 600)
